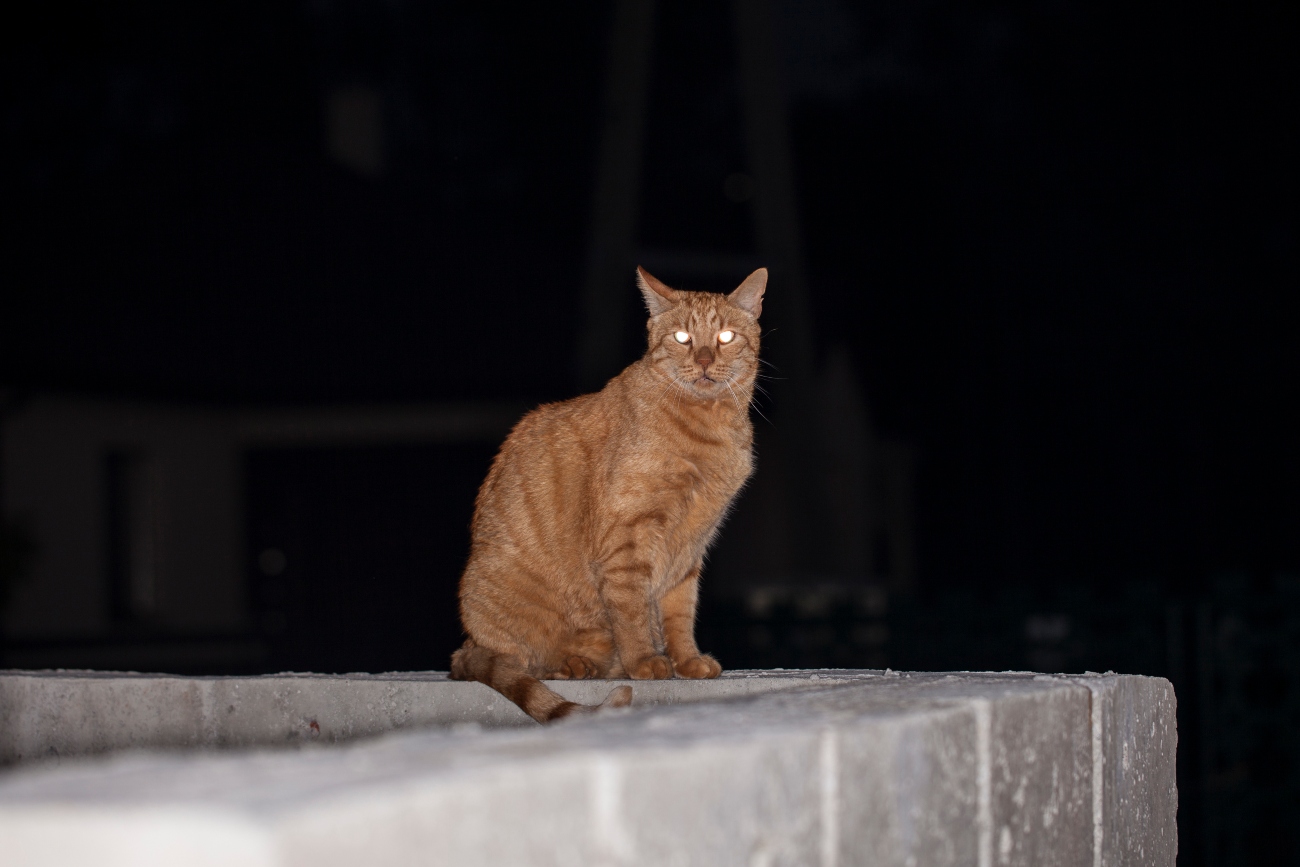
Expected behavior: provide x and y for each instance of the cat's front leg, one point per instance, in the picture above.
(625, 583)
(678, 607)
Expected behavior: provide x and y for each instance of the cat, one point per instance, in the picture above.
(590, 530)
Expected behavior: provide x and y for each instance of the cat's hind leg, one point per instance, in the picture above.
(586, 654)
(578, 668)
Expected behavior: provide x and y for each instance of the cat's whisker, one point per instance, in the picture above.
(753, 401)
(734, 397)
(669, 383)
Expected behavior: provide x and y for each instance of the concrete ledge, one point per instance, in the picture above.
(755, 768)
(50, 715)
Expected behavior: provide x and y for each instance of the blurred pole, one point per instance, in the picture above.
(821, 424)
(1206, 660)
(6, 398)
(608, 290)
(775, 209)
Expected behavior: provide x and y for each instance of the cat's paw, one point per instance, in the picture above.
(702, 667)
(651, 668)
(579, 668)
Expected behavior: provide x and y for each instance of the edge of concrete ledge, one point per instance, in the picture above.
(853, 767)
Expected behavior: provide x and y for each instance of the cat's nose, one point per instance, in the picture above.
(704, 357)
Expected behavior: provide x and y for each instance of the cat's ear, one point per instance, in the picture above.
(749, 295)
(658, 297)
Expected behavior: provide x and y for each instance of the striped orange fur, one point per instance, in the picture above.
(590, 530)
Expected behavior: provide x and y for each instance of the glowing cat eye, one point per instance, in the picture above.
(726, 336)
(682, 337)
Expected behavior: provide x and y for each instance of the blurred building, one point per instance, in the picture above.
(147, 524)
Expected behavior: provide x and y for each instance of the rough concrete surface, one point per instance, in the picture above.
(1135, 723)
(757, 768)
(52, 714)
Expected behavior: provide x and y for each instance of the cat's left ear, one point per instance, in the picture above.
(749, 295)
(658, 297)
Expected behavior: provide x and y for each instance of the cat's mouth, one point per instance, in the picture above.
(705, 384)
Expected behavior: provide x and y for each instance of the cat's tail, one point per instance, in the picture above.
(507, 676)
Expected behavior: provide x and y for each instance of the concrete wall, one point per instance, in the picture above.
(799, 768)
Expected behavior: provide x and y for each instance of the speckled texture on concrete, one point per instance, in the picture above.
(1135, 724)
(852, 768)
(49, 715)
(1041, 769)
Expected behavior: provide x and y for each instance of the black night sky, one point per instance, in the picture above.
(1057, 242)
(1058, 239)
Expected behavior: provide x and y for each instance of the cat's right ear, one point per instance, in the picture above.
(658, 297)
(749, 295)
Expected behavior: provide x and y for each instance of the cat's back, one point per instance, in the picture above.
(542, 477)
(560, 430)
(555, 446)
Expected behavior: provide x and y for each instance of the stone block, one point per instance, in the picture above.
(531, 812)
(751, 798)
(1135, 735)
(53, 715)
(906, 788)
(1040, 766)
(48, 715)
(780, 768)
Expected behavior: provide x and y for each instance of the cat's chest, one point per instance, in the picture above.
(707, 481)
(687, 479)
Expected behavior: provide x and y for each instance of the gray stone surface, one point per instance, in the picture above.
(851, 768)
(1134, 723)
(55, 714)
(1040, 762)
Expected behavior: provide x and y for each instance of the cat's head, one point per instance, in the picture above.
(704, 341)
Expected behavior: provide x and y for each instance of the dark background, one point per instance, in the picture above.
(1058, 241)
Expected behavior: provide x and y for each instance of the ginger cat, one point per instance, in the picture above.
(590, 530)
